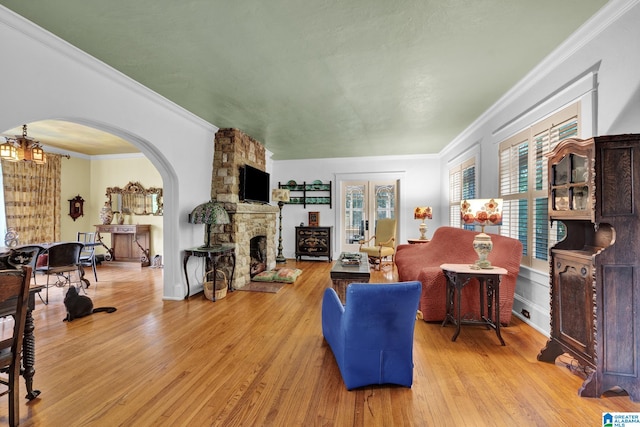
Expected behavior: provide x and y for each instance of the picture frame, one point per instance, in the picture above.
(314, 219)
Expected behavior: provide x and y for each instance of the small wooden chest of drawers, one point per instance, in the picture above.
(313, 242)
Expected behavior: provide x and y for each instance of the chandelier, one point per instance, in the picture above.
(22, 148)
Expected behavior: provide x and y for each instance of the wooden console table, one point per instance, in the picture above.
(129, 242)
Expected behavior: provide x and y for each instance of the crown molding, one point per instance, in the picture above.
(82, 58)
(587, 32)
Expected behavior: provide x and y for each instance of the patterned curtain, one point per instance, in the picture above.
(32, 199)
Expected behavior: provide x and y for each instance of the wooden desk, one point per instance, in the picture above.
(28, 340)
(129, 242)
(458, 275)
(213, 255)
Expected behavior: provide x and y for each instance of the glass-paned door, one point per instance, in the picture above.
(363, 203)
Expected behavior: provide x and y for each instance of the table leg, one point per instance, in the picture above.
(448, 294)
(496, 294)
(214, 267)
(186, 276)
(81, 277)
(29, 356)
(233, 270)
(458, 291)
(481, 288)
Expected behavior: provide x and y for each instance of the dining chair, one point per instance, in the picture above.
(88, 253)
(14, 287)
(62, 260)
(35, 251)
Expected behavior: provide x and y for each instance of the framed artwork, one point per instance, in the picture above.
(314, 219)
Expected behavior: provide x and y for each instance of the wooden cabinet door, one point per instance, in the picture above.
(573, 300)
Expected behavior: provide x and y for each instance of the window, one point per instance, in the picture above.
(462, 185)
(523, 184)
(3, 218)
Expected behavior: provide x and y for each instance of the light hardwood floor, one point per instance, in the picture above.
(259, 359)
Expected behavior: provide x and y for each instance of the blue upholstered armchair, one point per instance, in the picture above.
(371, 336)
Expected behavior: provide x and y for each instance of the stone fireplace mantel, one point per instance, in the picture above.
(249, 221)
(234, 149)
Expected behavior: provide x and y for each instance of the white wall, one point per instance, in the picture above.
(597, 66)
(419, 185)
(45, 78)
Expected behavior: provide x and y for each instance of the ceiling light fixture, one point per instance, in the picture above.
(22, 148)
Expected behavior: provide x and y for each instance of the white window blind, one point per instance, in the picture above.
(462, 185)
(523, 184)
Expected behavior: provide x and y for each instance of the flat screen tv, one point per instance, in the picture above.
(254, 185)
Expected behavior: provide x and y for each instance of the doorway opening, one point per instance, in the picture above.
(362, 204)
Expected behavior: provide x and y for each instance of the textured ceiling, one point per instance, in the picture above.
(71, 137)
(322, 78)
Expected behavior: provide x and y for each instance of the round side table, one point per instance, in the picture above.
(418, 241)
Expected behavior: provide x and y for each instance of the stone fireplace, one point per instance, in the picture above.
(234, 149)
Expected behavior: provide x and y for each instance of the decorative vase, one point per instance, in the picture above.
(423, 231)
(482, 244)
(106, 214)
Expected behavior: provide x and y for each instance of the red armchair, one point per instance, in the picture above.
(455, 245)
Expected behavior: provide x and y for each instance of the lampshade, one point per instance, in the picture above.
(211, 213)
(481, 211)
(423, 213)
(280, 195)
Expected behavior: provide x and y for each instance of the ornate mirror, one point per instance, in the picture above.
(135, 199)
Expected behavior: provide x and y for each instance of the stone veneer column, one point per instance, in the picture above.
(234, 149)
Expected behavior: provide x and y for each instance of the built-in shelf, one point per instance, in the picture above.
(314, 193)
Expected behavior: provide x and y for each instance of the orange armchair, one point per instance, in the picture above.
(455, 245)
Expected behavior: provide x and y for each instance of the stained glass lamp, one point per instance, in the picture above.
(209, 213)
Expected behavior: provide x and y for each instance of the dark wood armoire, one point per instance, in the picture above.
(594, 190)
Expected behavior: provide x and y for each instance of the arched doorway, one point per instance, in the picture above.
(79, 131)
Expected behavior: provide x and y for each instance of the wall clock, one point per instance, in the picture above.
(76, 207)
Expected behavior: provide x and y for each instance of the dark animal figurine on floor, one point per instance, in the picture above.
(80, 305)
